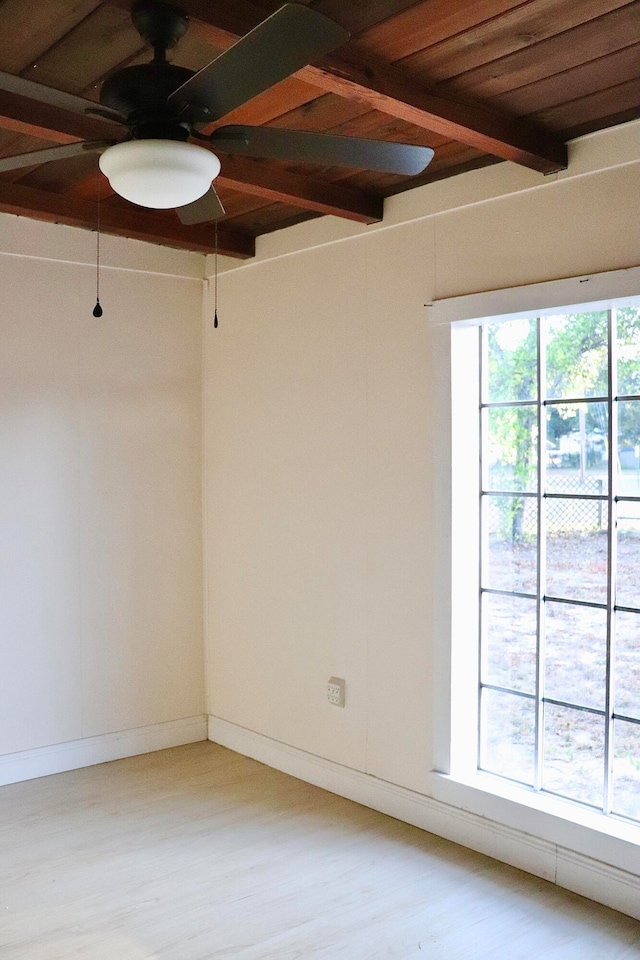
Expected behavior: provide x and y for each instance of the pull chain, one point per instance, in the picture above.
(215, 277)
(97, 310)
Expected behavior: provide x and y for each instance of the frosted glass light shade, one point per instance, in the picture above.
(159, 173)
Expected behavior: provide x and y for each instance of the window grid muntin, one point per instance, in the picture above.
(483, 551)
(511, 593)
(560, 703)
(541, 368)
(612, 499)
(612, 534)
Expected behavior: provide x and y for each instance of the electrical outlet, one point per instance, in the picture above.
(335, 691)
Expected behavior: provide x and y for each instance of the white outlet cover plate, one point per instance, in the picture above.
(336, 691)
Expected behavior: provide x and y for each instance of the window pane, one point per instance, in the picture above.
(507, 729)
(628, 321)
(627, 668)
(574, 557)
(573, 748)
(577, 448)
(509, 449)
(509, 527)
(577, 549)
(512, 360)
(629, 448)
(576, 353)
(576, 647)
(626, 769)
(628, 582)
(509, 642)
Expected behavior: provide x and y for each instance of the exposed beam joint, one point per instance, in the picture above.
(133, 222)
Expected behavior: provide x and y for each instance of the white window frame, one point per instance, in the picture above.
(454, 778)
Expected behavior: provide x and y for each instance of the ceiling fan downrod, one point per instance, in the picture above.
(161, 25)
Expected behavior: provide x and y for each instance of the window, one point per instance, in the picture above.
(559, 653)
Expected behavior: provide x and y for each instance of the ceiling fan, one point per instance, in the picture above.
(163, 106)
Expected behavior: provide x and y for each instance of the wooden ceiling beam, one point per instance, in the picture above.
(46, 122)
(133, 222)
(247, 176)
(386, 89)
(254, 179)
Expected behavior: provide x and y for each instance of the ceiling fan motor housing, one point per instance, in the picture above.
(140, 93)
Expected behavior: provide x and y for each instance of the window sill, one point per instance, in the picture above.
(551, 819)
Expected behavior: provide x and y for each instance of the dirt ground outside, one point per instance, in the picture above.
(576, 646)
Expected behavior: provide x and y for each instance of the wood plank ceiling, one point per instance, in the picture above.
(479, 81)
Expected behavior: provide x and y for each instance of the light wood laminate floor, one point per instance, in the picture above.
(197, 853)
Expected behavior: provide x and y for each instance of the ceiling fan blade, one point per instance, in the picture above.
(35, 157)
(55, 98)
(204, 210)
(277, 144)
(286, 41)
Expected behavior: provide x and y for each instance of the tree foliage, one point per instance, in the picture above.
(575, 358)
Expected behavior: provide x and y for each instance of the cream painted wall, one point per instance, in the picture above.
(100, 486)
(326, 520)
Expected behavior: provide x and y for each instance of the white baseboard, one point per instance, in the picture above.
(73, 754)
(602, 882)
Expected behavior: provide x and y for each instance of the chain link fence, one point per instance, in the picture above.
(517, 517)
(568, 516)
